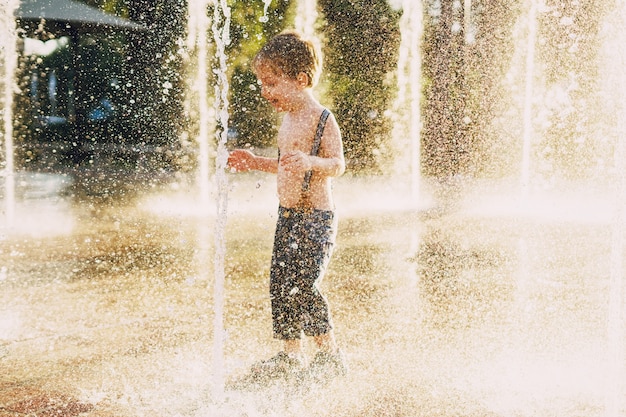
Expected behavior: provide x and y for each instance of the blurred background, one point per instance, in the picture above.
(119, 95)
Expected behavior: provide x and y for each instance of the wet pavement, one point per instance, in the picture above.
(484, 307)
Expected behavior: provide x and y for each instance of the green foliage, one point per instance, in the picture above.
(115, 7)
(463, 89)
(156, 86)
(362, 40)
(247, 30)
(251, 114)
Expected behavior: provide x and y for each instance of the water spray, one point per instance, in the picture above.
(10, 64)
(198, 27)
(221, 35)
(306, 15)
(528, 96)
(266, 5)
(409, 89)
(468, 31)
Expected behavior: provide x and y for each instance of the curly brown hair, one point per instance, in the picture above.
(290, 53)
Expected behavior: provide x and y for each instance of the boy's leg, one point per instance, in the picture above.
(293, 347)
(285, 311)
(288, 363)
(316, 248)
(329, 361)
(326, 342)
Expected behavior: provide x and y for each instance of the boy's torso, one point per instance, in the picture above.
(297, 134)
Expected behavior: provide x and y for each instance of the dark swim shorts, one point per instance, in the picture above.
(303, 244)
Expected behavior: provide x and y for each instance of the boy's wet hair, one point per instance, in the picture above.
(290, 53)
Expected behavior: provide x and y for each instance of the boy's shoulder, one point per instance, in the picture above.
(305, 117)
(318, 114)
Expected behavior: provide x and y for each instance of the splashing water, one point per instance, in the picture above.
(409, 84)
(528, 96)
(8, 51)
(221, 30)
(306, 16)
(198, 23)
(265, 18)
(468, 28)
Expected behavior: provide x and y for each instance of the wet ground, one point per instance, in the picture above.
(483, 305)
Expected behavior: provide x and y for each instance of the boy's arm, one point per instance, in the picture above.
(330, 160)
(266, 164)
(243, 160)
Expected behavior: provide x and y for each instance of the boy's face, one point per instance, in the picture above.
(277, 87)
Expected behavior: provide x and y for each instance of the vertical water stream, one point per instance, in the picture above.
(528, 95)
(409, 89)
(265, 18)
(216, 186)
(198, 28)
(306, 15)
(221, 35)
(9, 64)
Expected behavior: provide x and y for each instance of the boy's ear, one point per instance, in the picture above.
(303, 79)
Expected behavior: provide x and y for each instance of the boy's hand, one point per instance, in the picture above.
(241, 160)
(296, 162)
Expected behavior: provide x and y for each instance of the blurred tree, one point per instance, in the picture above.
(154, 86)
(361, 54)
(467, 51)
(574, 140)
(488, 52)
(446, 147)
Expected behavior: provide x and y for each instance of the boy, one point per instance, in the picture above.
(310, 152)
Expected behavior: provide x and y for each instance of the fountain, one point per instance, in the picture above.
(528, 95)
(614, 55)
(511, 304)
(9, 61)
(197, 40)
(409, 70)
(221, 31)
(306, 16)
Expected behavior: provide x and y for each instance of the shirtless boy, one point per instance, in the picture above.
(310, 153)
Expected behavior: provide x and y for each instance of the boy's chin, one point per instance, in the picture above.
(278, 107)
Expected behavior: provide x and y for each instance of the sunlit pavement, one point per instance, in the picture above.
(460, 303)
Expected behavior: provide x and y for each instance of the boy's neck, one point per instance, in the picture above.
(304, 102)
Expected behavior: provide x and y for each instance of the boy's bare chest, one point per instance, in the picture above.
(292, 139)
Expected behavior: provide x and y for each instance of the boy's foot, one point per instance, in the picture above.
(279, 366)
(326, 366)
